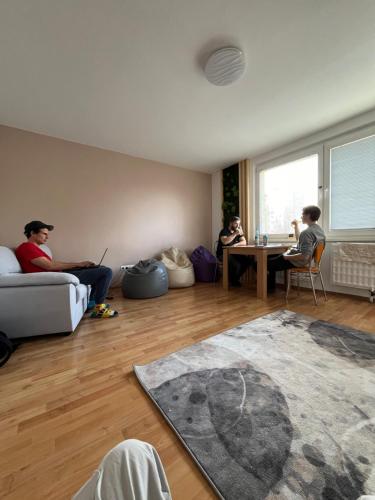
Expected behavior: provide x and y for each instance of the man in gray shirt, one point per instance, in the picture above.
(307, 240)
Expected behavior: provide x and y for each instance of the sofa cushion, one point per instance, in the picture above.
(37, 279)
(8, 261)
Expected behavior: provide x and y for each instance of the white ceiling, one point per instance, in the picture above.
(126, 75)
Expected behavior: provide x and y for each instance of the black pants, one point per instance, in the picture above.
(274, 264)
(237, 265)
(99, 278)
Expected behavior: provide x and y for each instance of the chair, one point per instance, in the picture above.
(312, 270)
(248, 276)
(219, 264)
(38, 303)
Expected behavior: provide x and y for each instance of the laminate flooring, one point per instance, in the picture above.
(65, 401)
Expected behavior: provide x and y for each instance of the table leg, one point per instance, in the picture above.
(262, 276)
(225, 270)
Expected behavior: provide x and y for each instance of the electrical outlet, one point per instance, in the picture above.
(126, 266)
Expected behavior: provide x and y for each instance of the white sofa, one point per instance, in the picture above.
(38, 303)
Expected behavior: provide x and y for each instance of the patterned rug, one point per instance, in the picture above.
(282, 407)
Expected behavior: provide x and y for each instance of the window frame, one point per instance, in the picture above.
(316, 149)
(342, 234)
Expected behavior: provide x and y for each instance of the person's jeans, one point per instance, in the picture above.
(274, 264)
(99, 278)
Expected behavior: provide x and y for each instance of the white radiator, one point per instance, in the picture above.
(353, 264)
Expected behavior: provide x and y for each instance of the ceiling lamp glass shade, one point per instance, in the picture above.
(225, 66)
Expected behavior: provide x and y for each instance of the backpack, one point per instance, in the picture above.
(6, 348)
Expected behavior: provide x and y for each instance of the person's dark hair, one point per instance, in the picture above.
(313, 212)
(35, 226)
(234, 218)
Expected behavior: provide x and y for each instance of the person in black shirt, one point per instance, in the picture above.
(233, 236)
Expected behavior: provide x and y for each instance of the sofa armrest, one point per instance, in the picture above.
(37, 279)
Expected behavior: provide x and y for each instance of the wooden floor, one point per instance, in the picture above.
(65, 401)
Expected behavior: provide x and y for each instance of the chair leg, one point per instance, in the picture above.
(288, 280)
(313, 288)
(324, 290)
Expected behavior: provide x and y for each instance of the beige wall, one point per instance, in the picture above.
(97, 198)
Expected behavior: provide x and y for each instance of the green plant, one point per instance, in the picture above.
(231, 195)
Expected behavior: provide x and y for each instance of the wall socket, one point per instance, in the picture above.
(126, 266)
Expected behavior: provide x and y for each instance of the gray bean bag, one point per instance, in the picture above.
(148, 278)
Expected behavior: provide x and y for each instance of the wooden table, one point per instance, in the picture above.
(261, 253)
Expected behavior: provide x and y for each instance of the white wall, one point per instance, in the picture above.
(343, 127)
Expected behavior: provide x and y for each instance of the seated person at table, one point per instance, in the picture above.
(307, 239)
(232, 236)
(33, 259)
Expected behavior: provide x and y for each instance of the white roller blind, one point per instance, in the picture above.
(352, 192)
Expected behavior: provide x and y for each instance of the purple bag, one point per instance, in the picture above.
(205, 265)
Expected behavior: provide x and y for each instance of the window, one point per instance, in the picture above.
(336, 173)
(284, 190)
(352, 185)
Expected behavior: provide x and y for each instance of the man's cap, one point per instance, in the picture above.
(36, 225)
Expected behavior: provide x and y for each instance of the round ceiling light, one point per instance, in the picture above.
(225, 66)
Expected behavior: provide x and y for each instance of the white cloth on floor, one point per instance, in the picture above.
(130, 471)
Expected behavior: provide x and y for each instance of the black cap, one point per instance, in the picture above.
(35, 226)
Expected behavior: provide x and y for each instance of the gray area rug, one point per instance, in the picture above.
(282, 407)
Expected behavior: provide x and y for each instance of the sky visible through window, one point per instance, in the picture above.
(283, 192)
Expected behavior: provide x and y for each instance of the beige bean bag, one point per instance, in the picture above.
(180, 269)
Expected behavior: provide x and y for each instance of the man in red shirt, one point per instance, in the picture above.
(34, 260)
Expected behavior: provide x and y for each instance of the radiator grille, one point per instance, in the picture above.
(353, 264)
